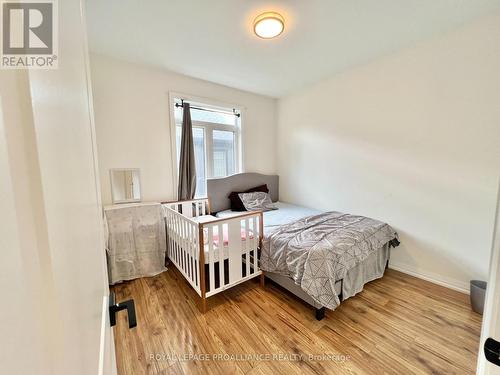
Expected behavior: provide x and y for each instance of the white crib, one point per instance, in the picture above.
(213, 254)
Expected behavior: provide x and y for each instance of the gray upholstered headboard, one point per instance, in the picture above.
(218, 189)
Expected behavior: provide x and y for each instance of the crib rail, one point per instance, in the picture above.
(212, 254)
(190, 208)
(183, 244)
(238, 246)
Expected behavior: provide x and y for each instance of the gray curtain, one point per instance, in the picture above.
(187, 167)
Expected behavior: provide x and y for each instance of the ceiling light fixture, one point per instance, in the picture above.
(268, 25)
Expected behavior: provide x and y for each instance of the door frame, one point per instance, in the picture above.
(491, 323)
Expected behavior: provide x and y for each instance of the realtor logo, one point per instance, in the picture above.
(29, 32)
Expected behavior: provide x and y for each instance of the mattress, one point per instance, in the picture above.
(216, 254)
(286, 213)
(216, 238)
(225, 248)
(372, 268)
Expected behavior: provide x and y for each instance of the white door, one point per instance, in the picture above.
(54, 309)
(491, 321)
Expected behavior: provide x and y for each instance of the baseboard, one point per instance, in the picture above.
(457, 285)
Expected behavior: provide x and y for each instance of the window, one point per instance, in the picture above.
(216, 136)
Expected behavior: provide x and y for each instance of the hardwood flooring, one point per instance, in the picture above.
(397, 325)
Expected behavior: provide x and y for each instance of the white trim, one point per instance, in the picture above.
(241, 137)
(208, 134)
(453, 284)
(490, 315)
(239, 144)
(173, 143)
(102, 341)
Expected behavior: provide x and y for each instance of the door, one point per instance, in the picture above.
(53, 271)
(491, 321)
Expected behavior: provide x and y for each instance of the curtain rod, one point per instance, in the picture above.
(209, 110)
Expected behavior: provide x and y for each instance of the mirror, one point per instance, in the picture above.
(125, 185)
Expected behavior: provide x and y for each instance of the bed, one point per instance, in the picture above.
(328, 289)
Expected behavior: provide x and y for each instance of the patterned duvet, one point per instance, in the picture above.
(317, 250)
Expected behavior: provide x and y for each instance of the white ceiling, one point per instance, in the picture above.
(213, 39)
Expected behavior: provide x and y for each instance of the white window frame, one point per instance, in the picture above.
(208, 127)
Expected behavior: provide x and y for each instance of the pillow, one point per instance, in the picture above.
(237, 204)
(257, 200)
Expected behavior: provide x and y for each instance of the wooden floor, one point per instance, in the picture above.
(397, 325)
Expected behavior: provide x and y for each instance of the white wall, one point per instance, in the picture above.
(412, 139)
(133, 115)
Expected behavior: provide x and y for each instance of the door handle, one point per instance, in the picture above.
(115, 307)
(492, 351)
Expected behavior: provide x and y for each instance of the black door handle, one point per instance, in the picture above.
(115, 307)
(492, 351)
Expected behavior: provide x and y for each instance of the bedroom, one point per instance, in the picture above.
(387, 113)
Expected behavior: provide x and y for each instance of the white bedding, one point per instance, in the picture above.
(286, 213)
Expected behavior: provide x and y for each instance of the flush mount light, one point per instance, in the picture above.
(268, 25)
